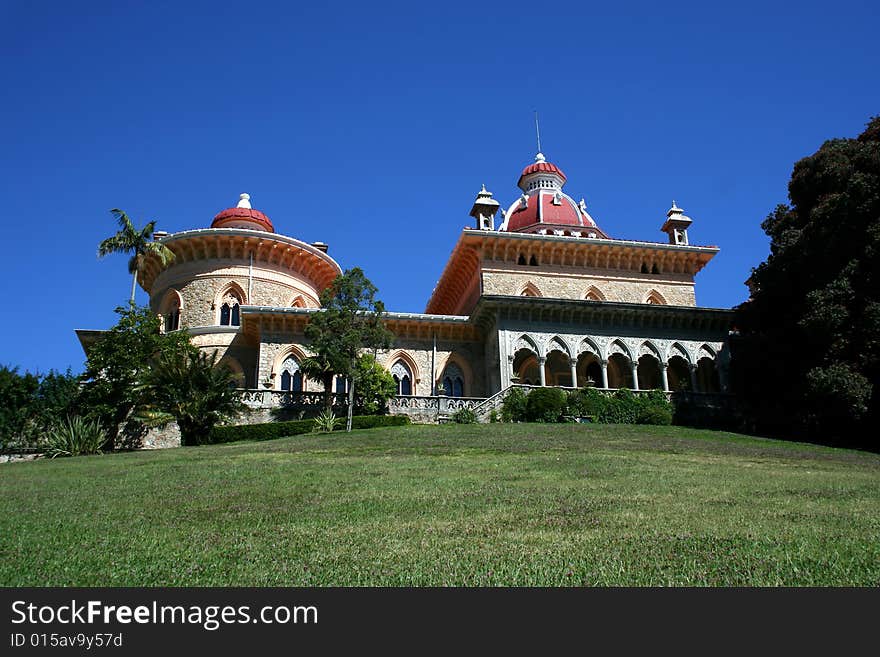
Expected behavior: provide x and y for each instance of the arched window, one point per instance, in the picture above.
(453, 381)
(594, 294)
(530, 290)
(230, 312)
(402, 377)
(521, 260)
(655, 298)
(170, 311)
(341, 385)
(291, 376)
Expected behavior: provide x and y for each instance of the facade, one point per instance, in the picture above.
(536, 294)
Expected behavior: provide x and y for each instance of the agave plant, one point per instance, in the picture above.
(75, 436)
(326, 422)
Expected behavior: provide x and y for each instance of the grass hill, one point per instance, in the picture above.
(453, 504)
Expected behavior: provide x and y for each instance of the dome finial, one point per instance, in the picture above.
(244, 201)
(537, 132)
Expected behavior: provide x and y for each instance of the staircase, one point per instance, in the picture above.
(484, 408)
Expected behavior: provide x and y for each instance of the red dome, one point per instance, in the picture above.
(541, 167)
(235, 217)
(542, 212)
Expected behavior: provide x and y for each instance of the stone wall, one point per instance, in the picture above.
(676, 289)
(200, 286)
(418, 353)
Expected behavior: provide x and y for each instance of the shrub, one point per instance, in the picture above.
(464, 416)
(326, 422)
(655, 415)
(272, 430)
(374, 421)
(513, 408)
(75, 436)
(493, 417)
(622, 407)
(545, 405)
(587, 402)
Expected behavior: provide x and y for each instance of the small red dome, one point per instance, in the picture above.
(541, 167)
(241, 217)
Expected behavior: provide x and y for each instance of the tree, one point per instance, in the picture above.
(350, 320)
(137, 242)
(808, 353)
(319, 368)
(191, 387)
(17, 393)
(374, 383)
(117, 363)
(32, 404)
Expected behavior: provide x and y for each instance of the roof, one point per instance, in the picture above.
(232, 218)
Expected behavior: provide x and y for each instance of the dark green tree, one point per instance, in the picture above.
(17, 394)
(191, 387)
(349, 322)
(807, 359)
(118, 362)
(139, 243)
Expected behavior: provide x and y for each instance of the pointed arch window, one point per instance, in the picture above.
(171, 311)
(291, 376)
(594, 294)
(230, 309)
(402, 377)
(453, 381)
(655, 298)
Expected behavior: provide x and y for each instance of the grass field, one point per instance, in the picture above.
(450, 505)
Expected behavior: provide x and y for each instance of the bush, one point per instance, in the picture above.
(655, 415)
(464, 416)
(587, 402)
(74, 437)
(326, 422)
(493, 417)
(513, 408)
(545, 405)
(622, 407)
(272, 430)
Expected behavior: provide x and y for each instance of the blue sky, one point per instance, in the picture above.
(370, 126)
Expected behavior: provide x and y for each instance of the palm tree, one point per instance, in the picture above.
(195, 389)
(137, 242)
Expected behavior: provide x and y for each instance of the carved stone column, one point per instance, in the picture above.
(541, 362)
(664, 376)
(574, 375)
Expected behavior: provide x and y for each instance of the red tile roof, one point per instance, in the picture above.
(238, 214)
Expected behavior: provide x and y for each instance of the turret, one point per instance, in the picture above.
(484, 210)
(676, 225)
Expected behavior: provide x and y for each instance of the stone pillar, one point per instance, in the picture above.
(604, 373)
(665, 378)
(574, 374)
(634, 364)
(542, 360)
(693, 369)
(506, 380)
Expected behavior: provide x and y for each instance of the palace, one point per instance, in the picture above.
(535, 294)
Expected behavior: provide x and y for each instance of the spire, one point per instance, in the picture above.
(538, 135)
(484, 210)
(244, 201)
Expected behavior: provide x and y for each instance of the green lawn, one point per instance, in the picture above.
(452, 504)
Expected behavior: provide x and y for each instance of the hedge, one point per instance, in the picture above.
(272, 430)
